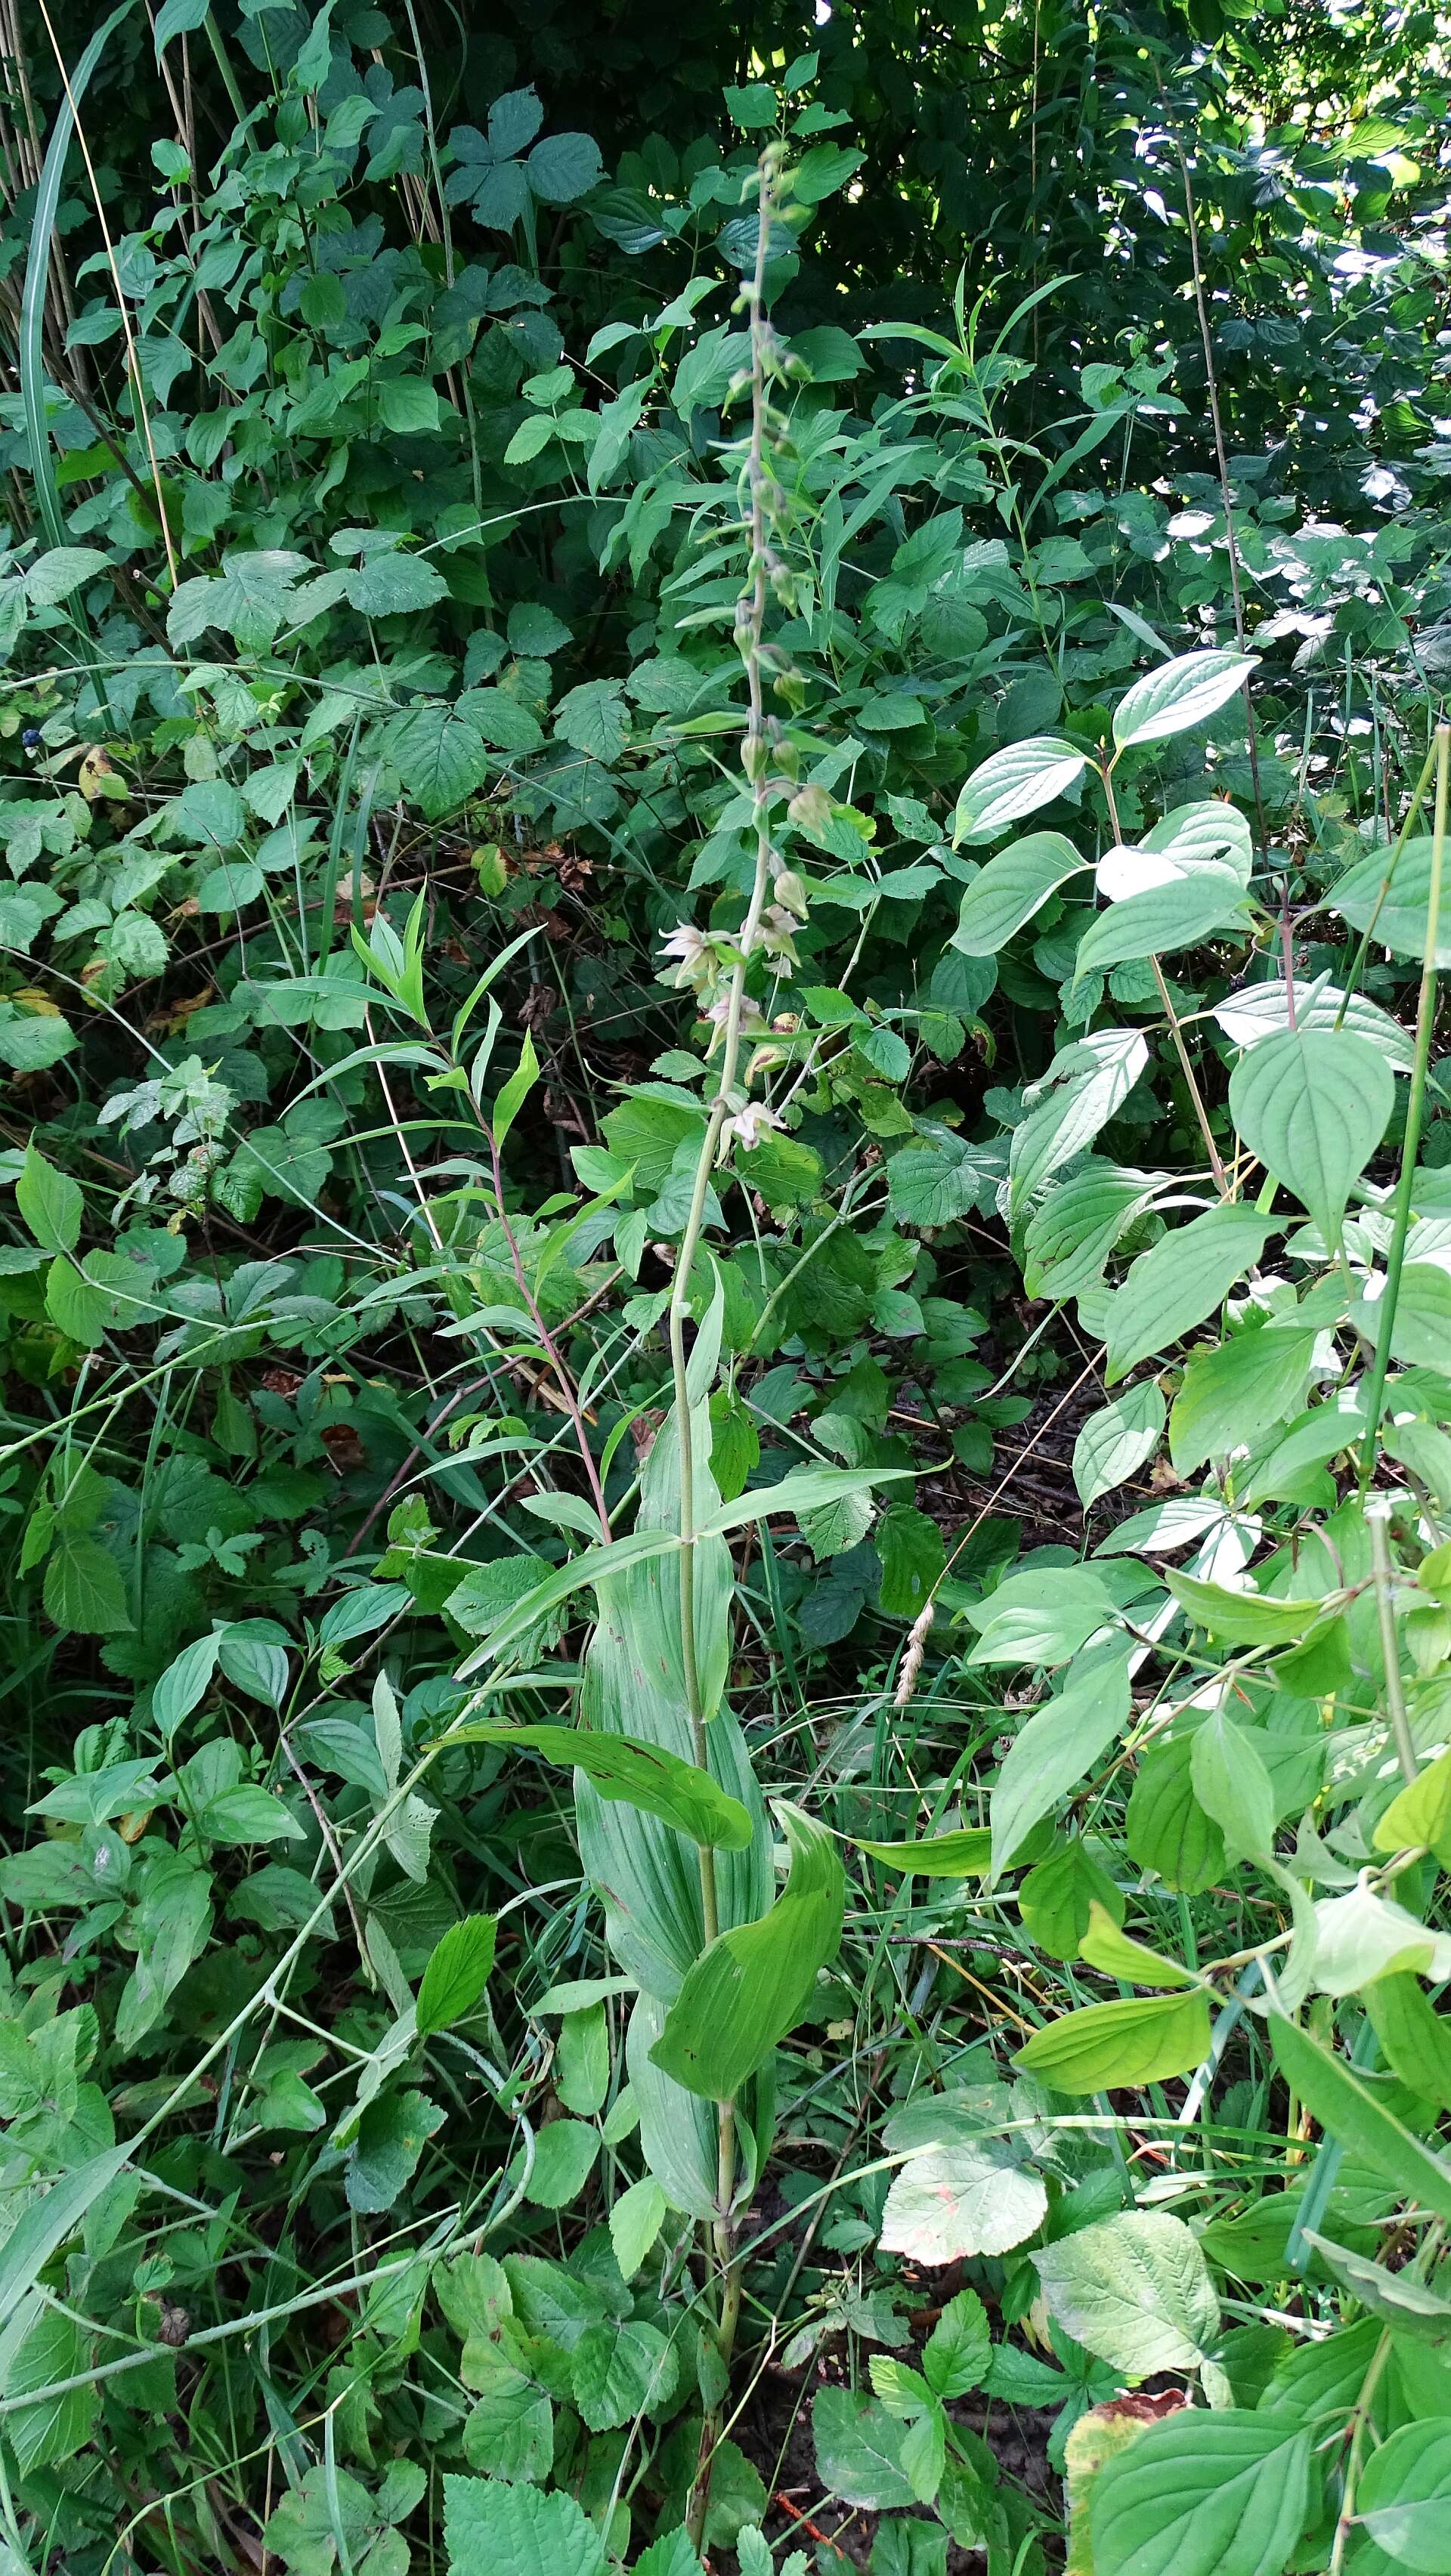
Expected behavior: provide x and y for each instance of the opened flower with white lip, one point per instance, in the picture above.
(691, 952)
(753, 1122)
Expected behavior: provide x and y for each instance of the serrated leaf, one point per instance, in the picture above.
(1202, 2493)
(50, 1202)
(1135, 2290)
(439, 754)
(394, 585)
(54, 575)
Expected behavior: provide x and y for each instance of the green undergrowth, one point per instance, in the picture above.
(726, 1294)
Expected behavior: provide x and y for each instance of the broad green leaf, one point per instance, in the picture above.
(1232, 1784)
(178, 18)
(594, 719)
(183, 1684)
(1421, 1331)
(85, 1590)
(50, 1203)
(1105, 1946)
(1166, 1827)
(516, 1091)
(621, 1767)
(964, 2192)
(1230, 1392)
(1414, 2036)
(1351, 2114)
(456, 1974)
(394, 585)
(636, 2219)
(44, 2224)
(1361, 1937)
(54, 2428)
(1397, 2298)
(1057, 1747)
(1222, 2493)
(964, 1854)
(858, 2451)
(1085, 1085)
(1257, 1011)
(1180, 1280)
(1116, 1441)
(1210, 830)
(956, 2354)
(54, 575)
(1135, 2290)
(503, 2527)
(1181, 693)
(1404, 2496)
(1010, 889)
(565, 2154)
(1419, 1813)
(1071, 1235)
(913, 1557)
(1058, 1900)
(1135, 2042)
(1400, 919)
(1180, 913)
(752, 1985)
(1242, 1618)
(1312, 1107)
(1013, 783)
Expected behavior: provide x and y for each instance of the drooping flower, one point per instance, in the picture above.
(750, 1124)
(690, 950)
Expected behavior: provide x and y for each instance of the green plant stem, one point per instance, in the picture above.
(1413, 810)
(1377, 1514)
(1216, 1164)
(1415, 1112)
(750, 632)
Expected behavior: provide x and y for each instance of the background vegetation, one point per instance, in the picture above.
(726, 1290)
